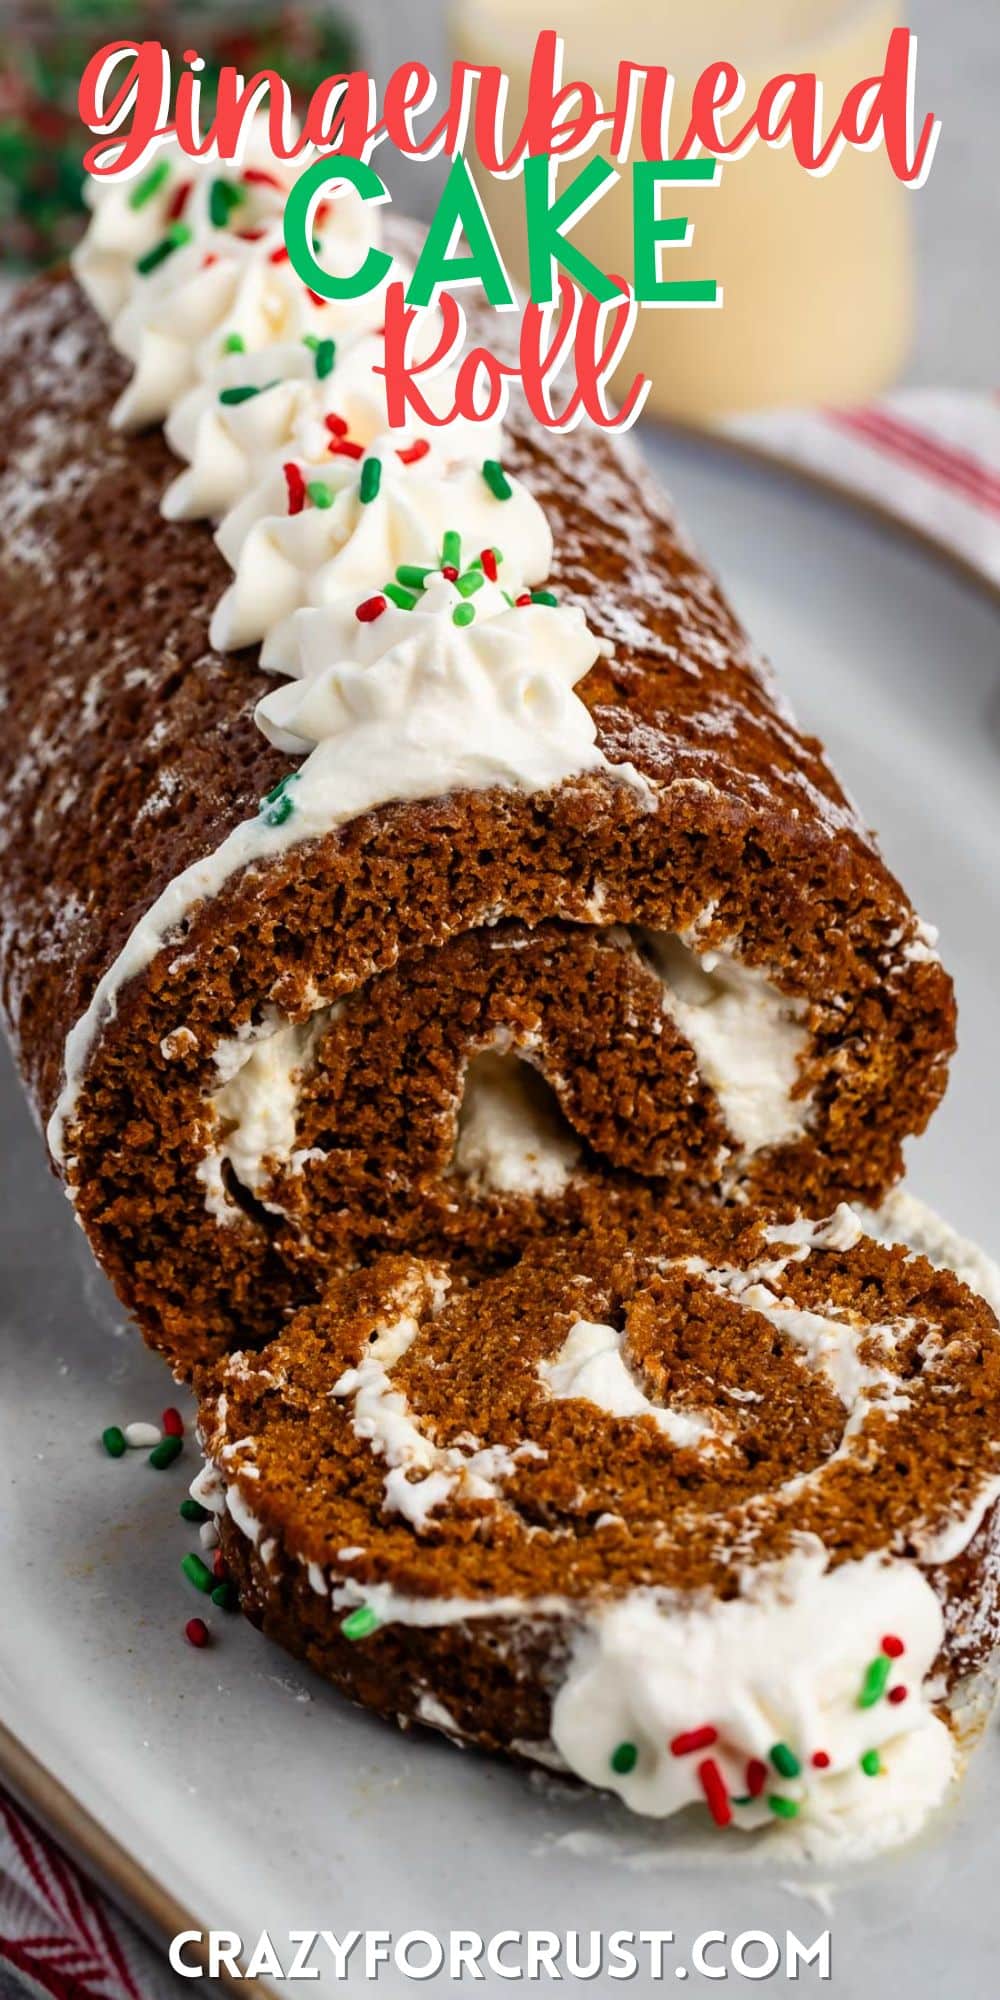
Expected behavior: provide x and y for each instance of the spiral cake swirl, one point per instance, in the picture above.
(711, 1519)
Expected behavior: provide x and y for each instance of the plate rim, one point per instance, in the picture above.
(134, 1889)
(753, 452)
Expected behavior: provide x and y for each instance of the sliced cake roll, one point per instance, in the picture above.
(707, 1522)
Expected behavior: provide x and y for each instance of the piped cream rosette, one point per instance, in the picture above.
(304, 402)
(335, 532)
(188, 265)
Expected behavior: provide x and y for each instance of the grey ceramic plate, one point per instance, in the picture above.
(230, 1785)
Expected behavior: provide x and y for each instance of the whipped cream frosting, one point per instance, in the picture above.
(256, 1104)
(511, 1136)
(342, 551)
(757, 1700)
(190, 259)
(591, 1364)
(748, 1036)
(231, 445)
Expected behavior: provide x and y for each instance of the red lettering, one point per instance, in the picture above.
(718, 89)
(235, 104)
(881, 107)
(341, 115)
(147, 81)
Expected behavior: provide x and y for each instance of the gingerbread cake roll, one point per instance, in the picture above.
(404, 846)
(709, 1521)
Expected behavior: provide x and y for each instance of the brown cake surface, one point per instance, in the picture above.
(817, 1393)
(130, 750)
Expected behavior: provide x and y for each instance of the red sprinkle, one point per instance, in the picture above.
(756, 1777)
(693, 1739)
(489, 562)
(525, 597)
(821, 1759)
(250, 235)
(337, 426)
(196, 1632)
(371, 609)
(450, 573)
(897, 1694)
(346, 448)
(278, 256)
(316, 297)
(296, 488)
(211, 258)
(219, 1570)
(892, 1647)
(172, 1423)
(256, 177)
(411, 452)
(179, 201)
(323, 211)
(713, 1785)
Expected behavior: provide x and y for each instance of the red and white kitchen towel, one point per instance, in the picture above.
(931, 459)
(59, 1938)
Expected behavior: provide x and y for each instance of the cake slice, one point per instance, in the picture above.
(709, 1521)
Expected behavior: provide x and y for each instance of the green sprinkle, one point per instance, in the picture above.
(360, 1623)
(177, 235)
(192, 1510)
(234, 343)
(871, 1763)
(470, 582)
(463, 614)
(277, 790)
(223, 197)
(320, 493)
(113, 1440)
(624, 1759)
(277, 805)
(783, 1808)
(875, 1681)
(311, 340)
(325, 353)
(508, 598)
(785, 1761)
(164, 1453)
(412, 575)
(743, 1800)
(226, 1596)
(496, 479)
(371, 480)
(151, 184)
(241, 394)
(198, 1573)
(544, 597)
(451, 550)
(405, 599)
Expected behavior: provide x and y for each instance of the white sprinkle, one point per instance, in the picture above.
(142, 1436)
(208, 1535)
